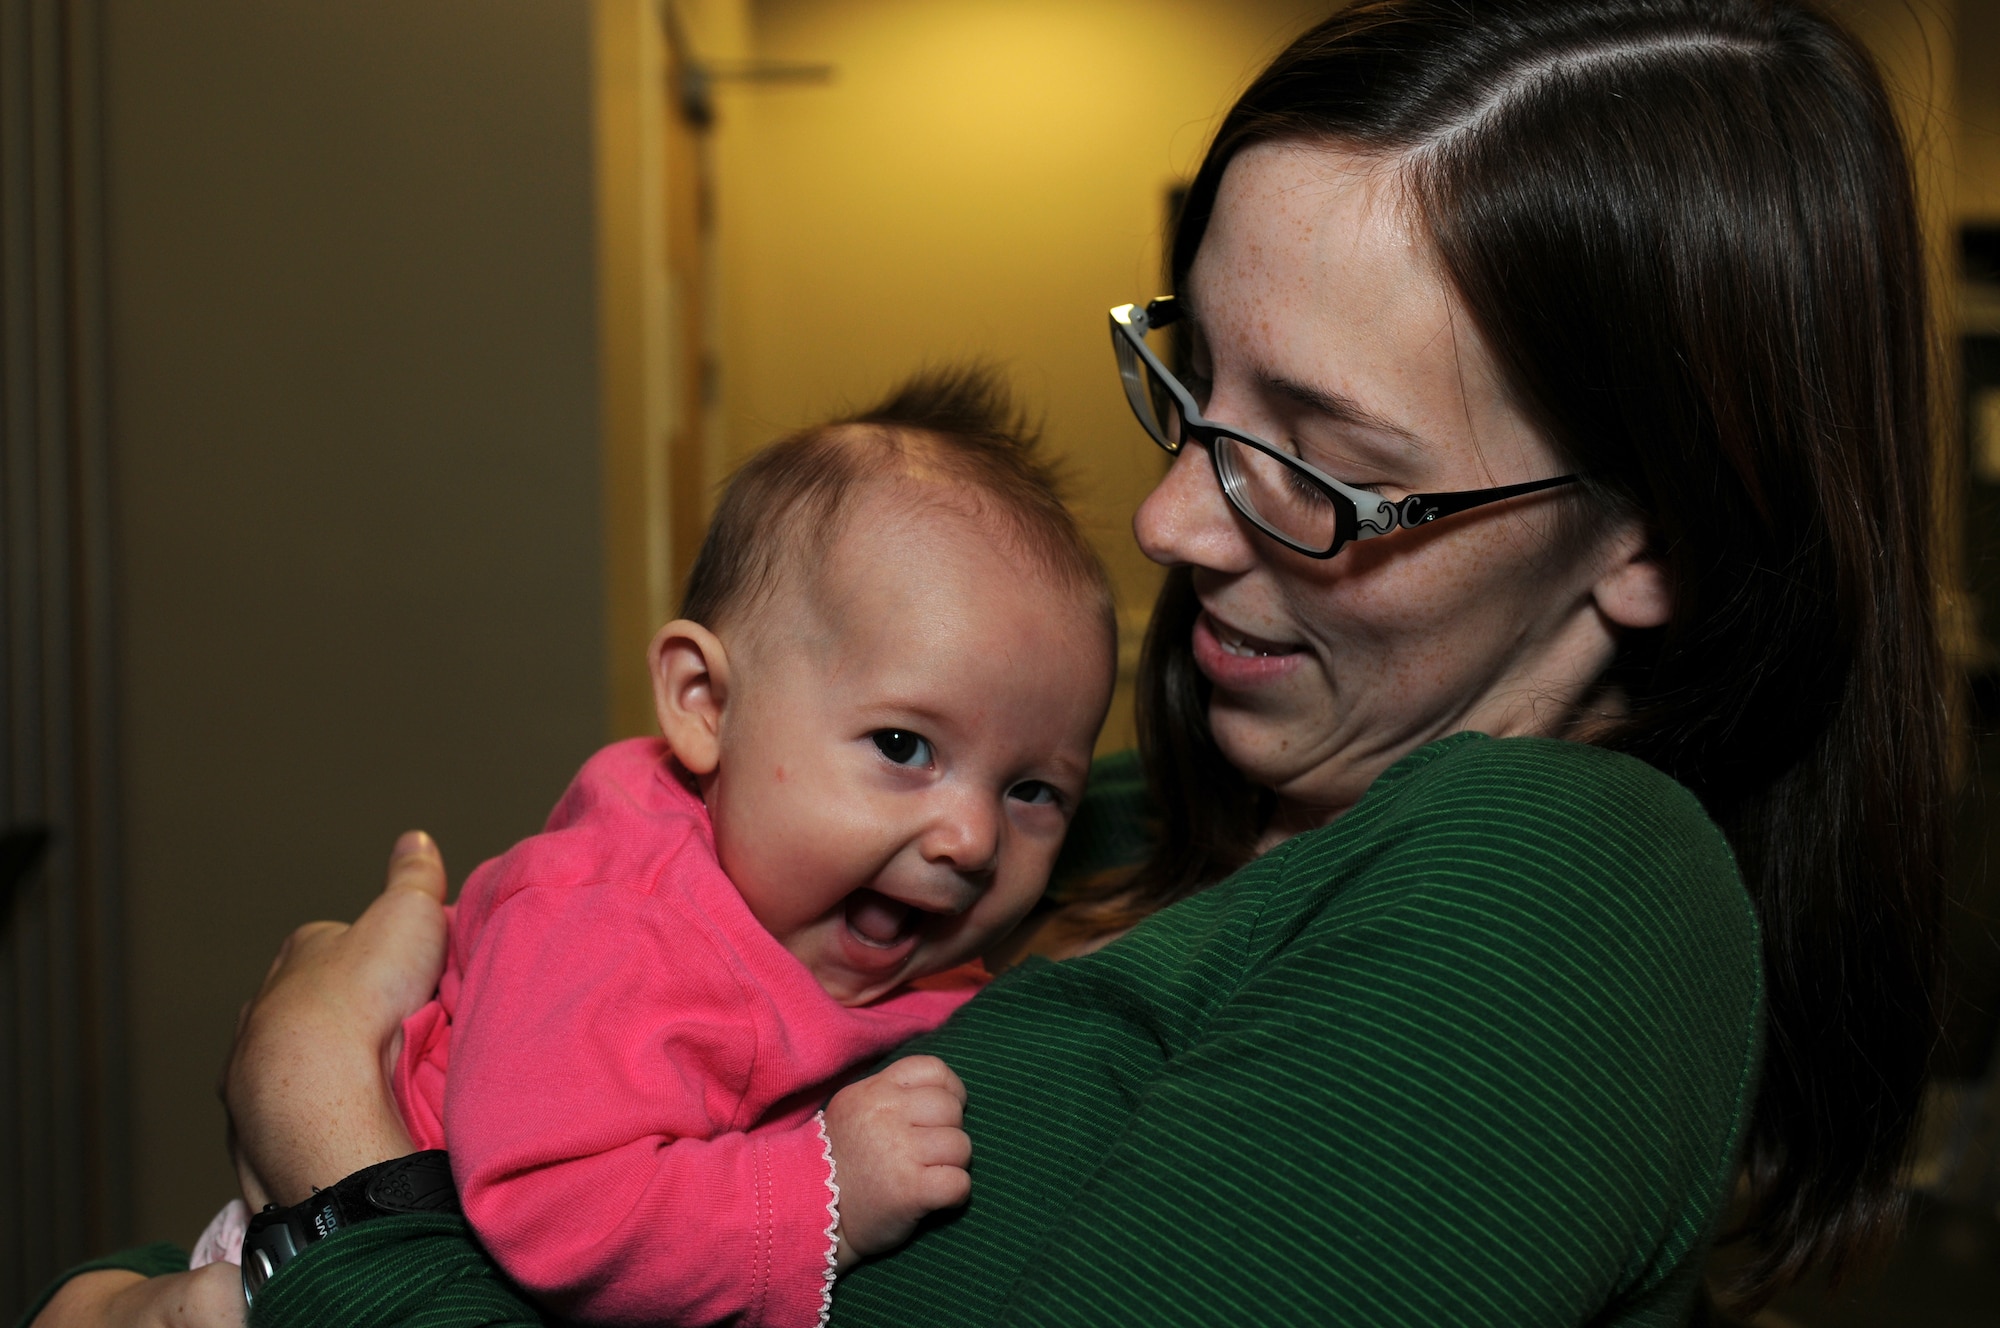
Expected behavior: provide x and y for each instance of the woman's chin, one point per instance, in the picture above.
(1258, 745)
(1316, 782)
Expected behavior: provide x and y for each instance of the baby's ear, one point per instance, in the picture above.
(690, 688)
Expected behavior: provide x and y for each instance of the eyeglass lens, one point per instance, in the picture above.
(1164, 409)
(1272, 494)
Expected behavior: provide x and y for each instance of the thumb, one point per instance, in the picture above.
(416, 864)
(396, 947)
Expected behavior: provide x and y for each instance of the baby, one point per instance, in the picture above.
(878, 711)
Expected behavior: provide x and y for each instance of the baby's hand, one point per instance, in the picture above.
(898, 1153)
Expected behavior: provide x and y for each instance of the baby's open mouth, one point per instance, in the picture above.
(878, 920)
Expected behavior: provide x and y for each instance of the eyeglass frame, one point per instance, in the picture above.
(1358, 514)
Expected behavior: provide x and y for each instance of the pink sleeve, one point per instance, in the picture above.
(594, 1124)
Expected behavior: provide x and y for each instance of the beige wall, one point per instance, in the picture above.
(353, 357)
(980, 178)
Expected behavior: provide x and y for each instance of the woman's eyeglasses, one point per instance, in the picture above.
(1293, 503)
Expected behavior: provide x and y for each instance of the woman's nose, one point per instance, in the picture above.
(965, 835)
(1187, 520)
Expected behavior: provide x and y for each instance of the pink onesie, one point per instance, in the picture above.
(627, 1068)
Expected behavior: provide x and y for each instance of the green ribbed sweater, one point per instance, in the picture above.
(1477, 1053)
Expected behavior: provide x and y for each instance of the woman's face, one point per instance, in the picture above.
(1324, 326)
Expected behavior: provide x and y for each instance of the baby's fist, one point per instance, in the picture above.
(898, 1153)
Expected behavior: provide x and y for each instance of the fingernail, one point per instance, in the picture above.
(410, 843)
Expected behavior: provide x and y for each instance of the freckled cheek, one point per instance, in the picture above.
(1455, 570)
(1412, 621)
(1368, 607)
(1476, 599)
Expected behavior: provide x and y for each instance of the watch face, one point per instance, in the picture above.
(268, 1245)
(257, 1270)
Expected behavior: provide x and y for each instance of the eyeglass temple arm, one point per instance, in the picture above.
(1420, 508)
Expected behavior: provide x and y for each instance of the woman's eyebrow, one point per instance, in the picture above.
(1337, 406)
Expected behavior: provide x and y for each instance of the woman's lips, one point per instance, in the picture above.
(1235, 660)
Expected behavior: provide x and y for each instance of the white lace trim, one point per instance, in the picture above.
(832, 1224)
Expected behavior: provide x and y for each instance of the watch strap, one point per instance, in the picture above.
(419, 1183)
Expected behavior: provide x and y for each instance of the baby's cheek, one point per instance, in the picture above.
(1026, 881)
(763, 862)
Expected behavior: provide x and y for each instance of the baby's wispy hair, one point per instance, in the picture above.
(953, 435)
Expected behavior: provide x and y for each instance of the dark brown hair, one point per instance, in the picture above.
(954, 432)
(1686, 227)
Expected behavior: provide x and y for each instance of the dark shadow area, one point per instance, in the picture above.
(1945, 1273)
(21, 849)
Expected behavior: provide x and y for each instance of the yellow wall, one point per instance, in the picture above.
(1978, 74)
(980, 178)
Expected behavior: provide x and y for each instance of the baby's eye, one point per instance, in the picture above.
(903, 747)
(1035, 792)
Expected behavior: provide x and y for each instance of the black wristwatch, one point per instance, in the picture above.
(419, 1183)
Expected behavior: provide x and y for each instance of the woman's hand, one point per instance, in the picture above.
(307, 1083)
(210, 1297)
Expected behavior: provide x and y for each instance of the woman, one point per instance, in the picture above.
(1620, 306)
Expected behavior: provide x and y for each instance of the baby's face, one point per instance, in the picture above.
(906, 738)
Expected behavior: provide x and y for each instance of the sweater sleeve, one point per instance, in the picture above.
(1501, 1083)
(418, 1271)
(594, 1109)
(146, 1260)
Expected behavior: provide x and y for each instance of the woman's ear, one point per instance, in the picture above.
(1634, 590)
(690, 688)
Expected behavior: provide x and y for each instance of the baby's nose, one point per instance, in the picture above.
(966, 838)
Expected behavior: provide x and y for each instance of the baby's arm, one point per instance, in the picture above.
(596, 1057)
(898, 1153)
